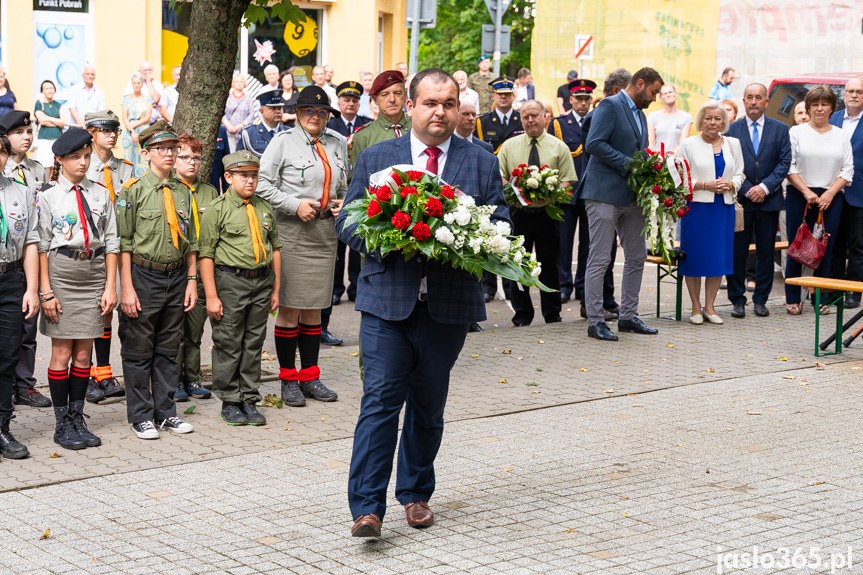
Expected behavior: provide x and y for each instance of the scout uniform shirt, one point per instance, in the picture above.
(201, 195)
(61, 224)
(142, 221)
(378, 131)
(112, 174)
(18, 222)
(226, 233)
(28, 172)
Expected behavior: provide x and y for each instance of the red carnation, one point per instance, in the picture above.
(522, 165)
(544, 166)
(400, 220)
(383, 193)
(447, 192)
(682, 212)
(434, 208)
(408, 190)
(657, 190)
(688, 197)
(516, 173)
(415, 175)
(657, 167)
(669, 202)
(421, 232)
(373, 209)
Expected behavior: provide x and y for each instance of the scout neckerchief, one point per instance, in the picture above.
(328, 175)
(171, 214)
(85, 217)
(21, 179)
(109, 183)
(194, 207)
(255, 228)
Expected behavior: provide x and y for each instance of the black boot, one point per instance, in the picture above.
(76, 410)
(64, 434)
(10, 448)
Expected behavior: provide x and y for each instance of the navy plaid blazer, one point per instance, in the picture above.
(388, 287)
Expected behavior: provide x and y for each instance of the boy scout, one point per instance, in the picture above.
(200, 195)
(240, 266)
(157, 283)
(29, 173)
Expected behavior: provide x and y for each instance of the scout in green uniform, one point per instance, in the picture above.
(200, 196)
(240, 266)
(158, 282)
(389, 93)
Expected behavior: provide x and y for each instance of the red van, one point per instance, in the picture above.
(785, 92)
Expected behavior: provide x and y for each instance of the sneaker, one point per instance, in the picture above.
(253, 416)
(176, 425)
(317, 390)
(111, 389)
(95, 394)
(232, 414)
(198, 391)
(291, 394)
(145, 430)
(180, 394)
(31, 397)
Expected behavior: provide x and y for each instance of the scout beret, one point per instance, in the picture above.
(385, 80)
(240, 160)
(15, 119)
(316, 97)
(271, 98)
(502, 84)
(159, 132)
(581, 87)
(571, 75)
(349, 89)
(102, 119)
(71, 140)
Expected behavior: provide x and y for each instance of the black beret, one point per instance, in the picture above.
(15, 119)
(71, 140)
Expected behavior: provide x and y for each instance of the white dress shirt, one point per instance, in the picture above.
(749, 124)
(505, 118)
(470, 96)
(849, 124)
(419, 156)
(469, 137)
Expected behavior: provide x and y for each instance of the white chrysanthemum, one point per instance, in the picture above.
(502, 228)
(499, 244)
(532, 183)
(483, 218)
(466, 200)
(475, 244)
(551, 181)
(444, 235)
(487, 228)
(449, 217)
(516, 257)
(534, 169)
(462, 217)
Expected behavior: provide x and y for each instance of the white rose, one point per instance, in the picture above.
(502, 228)
(483, 218)
(444, 235)
(532, 183)
(551, 181)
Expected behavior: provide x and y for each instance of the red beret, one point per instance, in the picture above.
(385, 80)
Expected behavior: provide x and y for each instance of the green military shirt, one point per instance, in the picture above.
(202, 194)
(481, 84)
(378, 131)
(226, 237)
(552, 153)
(142, 223)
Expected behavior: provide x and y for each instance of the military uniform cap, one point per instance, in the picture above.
(350, 88)
(14, 119)
(483, 57)
(71, 140)
(385, 80)
(315, 96)
(581, 86)
(159, 132)
(102, 119)
(271, 98)
(240, 160)
(502, 84)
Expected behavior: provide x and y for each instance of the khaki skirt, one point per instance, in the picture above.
(308, 262)
(79, 286)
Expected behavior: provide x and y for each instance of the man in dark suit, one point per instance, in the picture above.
(257, 137)
(848, 249)
(465, 126)
(766, 159)
(349, 94)
(415, 315)
(618, 131)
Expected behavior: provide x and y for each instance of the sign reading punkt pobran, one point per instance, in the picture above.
(61, 5)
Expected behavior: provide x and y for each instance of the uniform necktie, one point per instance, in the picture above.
(350, 128)
(85, 217)
(21, 179)
(328, 175)
(533, 157)
(255, 228)
(505, 122)
(194, 207)
(431, 163)
(109, 183)
(397, 128)
(171, 214)
(756, 140)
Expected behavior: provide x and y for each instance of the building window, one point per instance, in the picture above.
(285, 45)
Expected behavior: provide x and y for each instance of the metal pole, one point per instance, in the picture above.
(498, 14)
(415, 36)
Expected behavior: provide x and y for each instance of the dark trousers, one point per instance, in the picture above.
(344, 253)
(542, 232)
(406, 363)
(189, 357)
(26, 365)
(151, 342)
(794, 208)
(12, 287)
(763, 226)
(848, 249)
(575, 216)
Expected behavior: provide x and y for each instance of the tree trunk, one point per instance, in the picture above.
(207, 71)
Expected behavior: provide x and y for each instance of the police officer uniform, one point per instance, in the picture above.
(256, 138)
(240, 237)
(155, 227)
(29, 173)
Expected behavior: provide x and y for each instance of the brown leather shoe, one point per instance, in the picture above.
(367, 526)
(418, 514)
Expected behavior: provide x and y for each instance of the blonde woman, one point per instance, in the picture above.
(239, 111)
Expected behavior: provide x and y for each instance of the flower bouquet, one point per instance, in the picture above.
(414, 212)
(537, 187)
(662, 186)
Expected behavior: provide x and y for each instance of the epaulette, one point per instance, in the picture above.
(256, 122)
(128, 183)
(128, 162)
(46, 186)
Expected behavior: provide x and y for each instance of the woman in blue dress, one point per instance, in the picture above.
(707, 231)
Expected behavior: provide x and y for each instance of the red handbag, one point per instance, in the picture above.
(805, 248)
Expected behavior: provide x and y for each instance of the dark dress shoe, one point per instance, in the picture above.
(635, 325)
(601, 331)
(31, 397)
(329, 339)
(367, 526)
(611, 314)
(488, 297)
(352, 297)
(418, 514)
(474, 328)
(520, 324)
(761, 310)
(582, 311)
(555, 319)
(337, 299)
(852, 301)
(739, 310)
(565, 297)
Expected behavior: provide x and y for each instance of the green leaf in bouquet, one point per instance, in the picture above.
(418, 213)
(554, 212)
(426, 247)
(434, 224)
(396, 200)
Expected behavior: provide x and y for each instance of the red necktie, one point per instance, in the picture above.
(82, 217)
(431, 163)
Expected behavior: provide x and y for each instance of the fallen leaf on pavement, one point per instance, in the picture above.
(819, 365)
(354, 354)
(272, 400)
(817, 483)
(669, 345)
(45, 535)
(788, 377)
(540, 341)
(616, 363)
(502, 381)
(190, 410)
(753, 413)
(711, 370)
(608, 391)
(783, 358)
(506, 351)
(583, 370)
(531, 384)
(55, 455)
(509, 469)
(476, 355)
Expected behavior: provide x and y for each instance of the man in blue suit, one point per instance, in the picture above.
(766, 159)
(849, 241)
(618, 131)
(465, 125)
(415, 315)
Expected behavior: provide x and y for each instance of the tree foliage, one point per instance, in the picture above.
(456, 42)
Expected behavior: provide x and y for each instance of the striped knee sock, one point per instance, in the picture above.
(286, 352)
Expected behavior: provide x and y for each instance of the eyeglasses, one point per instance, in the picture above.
(310, 113)
(164, 150)
(190, 159)
(245, 176)
(854, 92)
(108, 131)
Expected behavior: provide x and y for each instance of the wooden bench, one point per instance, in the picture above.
(836, 297)
(666, 270)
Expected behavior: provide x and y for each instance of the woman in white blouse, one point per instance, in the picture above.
(707, 231)
(822, 164)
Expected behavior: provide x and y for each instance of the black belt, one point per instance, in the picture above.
(251, 274)
(11, 266)
(80, 254)
(150, 265)
(323, 214)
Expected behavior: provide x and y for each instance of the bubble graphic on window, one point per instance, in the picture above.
(52, 38)
(69, 34)
(68, 74)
